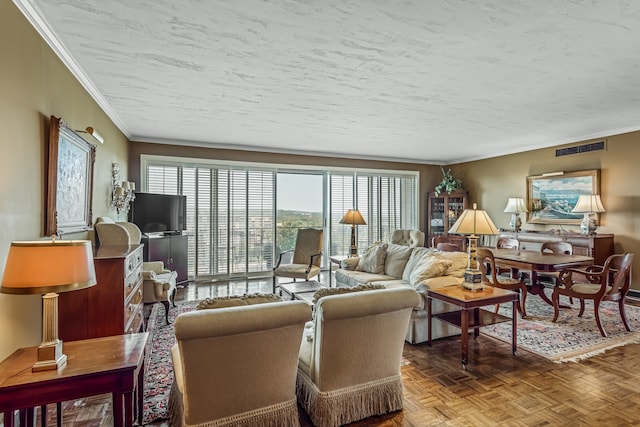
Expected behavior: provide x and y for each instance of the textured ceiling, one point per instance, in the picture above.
(425, 81)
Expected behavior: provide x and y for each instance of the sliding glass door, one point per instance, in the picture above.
(241, 217)
(300, 204)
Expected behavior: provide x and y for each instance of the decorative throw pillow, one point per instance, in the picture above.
(372, 260)
(458, 263)
(429, 266)
(234, 301)
(325, 292)
(415, 257)
(396, 259)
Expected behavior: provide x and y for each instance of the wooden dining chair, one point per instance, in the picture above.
(507, 243)
(609, 282)
(448, 247)
(551, 277)
(487, 265)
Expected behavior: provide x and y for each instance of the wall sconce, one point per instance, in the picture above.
(94, 133)
(122, 194)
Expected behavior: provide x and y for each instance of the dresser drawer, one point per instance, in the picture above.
(132, 281)
(133, 307)
(136, 321)
(133, 261)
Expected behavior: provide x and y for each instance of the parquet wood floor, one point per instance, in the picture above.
(497, 389)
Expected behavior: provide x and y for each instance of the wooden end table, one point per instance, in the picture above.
(113, 364)
(470, 315)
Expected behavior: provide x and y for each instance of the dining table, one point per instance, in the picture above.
(535, 262)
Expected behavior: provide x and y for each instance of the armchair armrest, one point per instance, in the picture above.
(591, 273)
(281, 256)
(155, 266)
(311, 258)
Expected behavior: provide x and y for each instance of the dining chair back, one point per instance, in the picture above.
(507, 243)
(490, 276)
(557, 248)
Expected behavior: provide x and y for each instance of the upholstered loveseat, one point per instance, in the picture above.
(418, 268)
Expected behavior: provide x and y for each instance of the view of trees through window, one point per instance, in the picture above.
(299, 205)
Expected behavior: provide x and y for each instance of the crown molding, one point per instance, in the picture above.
(36, 18)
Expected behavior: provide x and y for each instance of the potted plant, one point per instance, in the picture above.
(449, 183)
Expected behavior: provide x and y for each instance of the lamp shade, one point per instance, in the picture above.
(588, 204)
(353, 217)
(45, 266)
(516, 205)
(473, 221)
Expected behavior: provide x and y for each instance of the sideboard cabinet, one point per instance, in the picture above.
(598, 246)
(443, 209)
(114, 305)
(172, 250)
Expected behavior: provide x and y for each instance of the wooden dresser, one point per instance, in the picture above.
(114, 305)
(598, 246)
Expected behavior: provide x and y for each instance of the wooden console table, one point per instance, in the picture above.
(598, 246)
(113, 364)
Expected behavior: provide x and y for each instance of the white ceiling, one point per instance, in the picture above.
(427, 81)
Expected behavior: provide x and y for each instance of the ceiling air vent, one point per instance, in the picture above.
(586, 148)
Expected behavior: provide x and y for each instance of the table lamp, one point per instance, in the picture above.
(589, 205)
(515, 205)
(47, 267)
(473, 222)
(353, 217)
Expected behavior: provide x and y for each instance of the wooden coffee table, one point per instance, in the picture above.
(470, 315)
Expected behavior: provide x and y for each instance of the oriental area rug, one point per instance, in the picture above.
(158, 375)
(571, 338)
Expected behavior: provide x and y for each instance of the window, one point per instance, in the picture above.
(231, 210)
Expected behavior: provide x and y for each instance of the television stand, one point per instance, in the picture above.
(171, 249)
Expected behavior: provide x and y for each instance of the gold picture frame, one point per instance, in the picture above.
(69, 180)
(551, 197)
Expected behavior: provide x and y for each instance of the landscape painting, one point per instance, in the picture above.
(551, 197)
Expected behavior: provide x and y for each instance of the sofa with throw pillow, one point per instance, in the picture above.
(419, 268)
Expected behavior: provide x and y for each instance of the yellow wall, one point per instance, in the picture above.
(34, 84)
(490, 182)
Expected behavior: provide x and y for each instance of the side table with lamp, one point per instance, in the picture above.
(473, 294)
(37, 376)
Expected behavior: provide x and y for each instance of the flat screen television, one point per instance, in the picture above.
(159, 213)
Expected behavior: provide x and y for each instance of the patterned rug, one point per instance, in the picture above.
(572, 338)
(158, 376)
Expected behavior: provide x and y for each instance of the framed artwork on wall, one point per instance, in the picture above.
(69, 181)
(551, 197)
